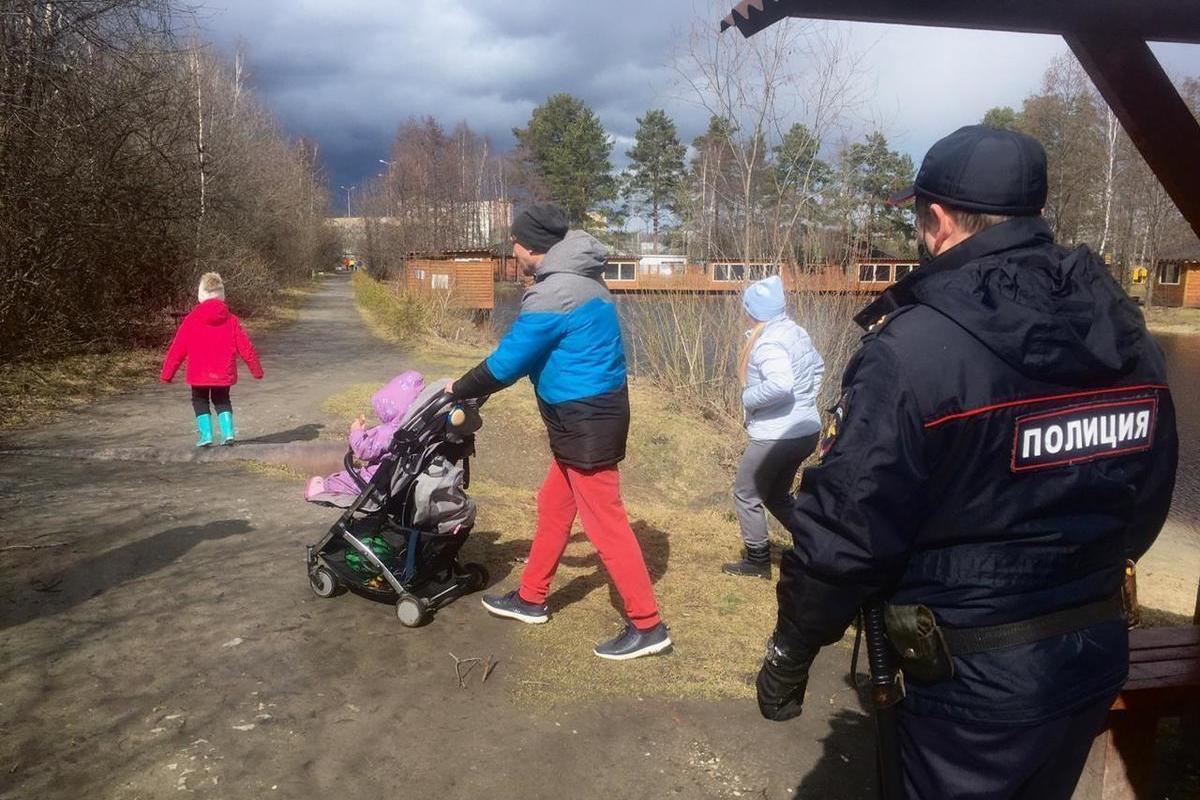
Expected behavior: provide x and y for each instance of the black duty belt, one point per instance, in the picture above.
(965, 641)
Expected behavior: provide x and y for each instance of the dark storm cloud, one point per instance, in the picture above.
(349, 72)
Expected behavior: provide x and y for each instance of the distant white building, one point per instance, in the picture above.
(481, 224)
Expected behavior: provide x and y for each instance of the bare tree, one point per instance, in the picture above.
(1111, 131)
(129, 164)
(756, 90)
(440, 191)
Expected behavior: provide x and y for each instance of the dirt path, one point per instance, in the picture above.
(173, 644)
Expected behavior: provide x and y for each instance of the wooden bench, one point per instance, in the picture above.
(1164, 681)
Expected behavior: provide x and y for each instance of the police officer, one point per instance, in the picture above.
(1004, 441)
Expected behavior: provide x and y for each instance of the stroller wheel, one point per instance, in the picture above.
(476, 577)
(412, 611)
(324, 583)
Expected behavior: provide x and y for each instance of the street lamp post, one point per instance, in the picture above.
(389, 166)
(349, 190)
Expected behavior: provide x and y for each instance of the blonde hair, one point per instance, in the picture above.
(752, 336)
(211, 287)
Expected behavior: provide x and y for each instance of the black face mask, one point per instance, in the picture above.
(923, 254)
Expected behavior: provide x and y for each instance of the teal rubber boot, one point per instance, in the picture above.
(225, 419)
(204, 425)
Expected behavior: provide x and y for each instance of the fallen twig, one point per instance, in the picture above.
(35, 546)
(488, 666)
(458, 671)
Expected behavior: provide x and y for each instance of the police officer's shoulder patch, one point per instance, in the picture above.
(835, 419)
(876, 327)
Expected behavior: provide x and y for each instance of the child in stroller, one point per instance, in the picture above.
(400, 533)
(369, 445)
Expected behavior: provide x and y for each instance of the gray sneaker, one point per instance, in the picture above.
(511, 606)
(633, 643)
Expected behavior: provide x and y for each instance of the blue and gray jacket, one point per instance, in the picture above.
(567, 339)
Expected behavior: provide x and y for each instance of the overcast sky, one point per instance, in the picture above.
(348, 72)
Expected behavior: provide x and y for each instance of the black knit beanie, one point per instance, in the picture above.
(539, 227)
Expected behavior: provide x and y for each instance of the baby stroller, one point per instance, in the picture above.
(398, 540)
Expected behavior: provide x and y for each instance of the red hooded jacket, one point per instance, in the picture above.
(210, 338)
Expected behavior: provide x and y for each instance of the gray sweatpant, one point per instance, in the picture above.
(764, 478)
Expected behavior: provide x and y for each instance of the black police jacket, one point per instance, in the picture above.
(1004, 440)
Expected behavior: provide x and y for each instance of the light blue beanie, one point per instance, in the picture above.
(764, 299)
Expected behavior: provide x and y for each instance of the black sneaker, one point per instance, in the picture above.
(511, 606)
(632, 643)
(755, 563)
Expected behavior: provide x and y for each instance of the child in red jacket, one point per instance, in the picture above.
(211, 338)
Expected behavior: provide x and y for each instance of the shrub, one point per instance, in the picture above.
(688, 344)
(401, 316)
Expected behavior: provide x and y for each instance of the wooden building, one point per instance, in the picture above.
(626, 275)
(468, 279)
(1177, 283)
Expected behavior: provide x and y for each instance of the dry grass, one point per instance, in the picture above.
(676, 482)
(688, 344)
(675, 492)
(401, 316)
(1161, 618)
(278, 471)
(1173, 320)
(351, 401)
(454, 358)
(718, 623)
(284, 309)
(38, 392)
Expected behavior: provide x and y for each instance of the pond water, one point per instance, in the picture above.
(1183, 370)
(1183, 373)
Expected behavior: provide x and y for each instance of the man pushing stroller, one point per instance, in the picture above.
(567, 339)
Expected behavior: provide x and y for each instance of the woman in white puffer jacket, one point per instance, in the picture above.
(781, 374)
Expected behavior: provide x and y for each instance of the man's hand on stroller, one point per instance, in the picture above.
(449, 388)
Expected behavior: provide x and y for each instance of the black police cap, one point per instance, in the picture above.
(982, 169)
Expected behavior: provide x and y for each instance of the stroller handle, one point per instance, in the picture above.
(457, 414)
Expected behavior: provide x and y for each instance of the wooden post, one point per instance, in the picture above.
(1129, 757)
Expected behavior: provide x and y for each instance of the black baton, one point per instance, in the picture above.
(885, 694)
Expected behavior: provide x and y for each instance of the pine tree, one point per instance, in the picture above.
(565, 153)
(655, 168)
(799, 173)
(875, 171)
(1000, 117)
(713, 183)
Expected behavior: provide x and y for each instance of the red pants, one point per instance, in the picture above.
(596, 496)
